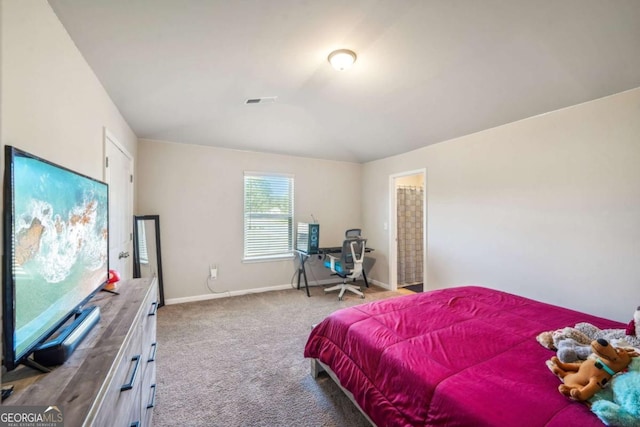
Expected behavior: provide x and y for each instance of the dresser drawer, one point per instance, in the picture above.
(148, 320)
(121, 403)
(148, 397)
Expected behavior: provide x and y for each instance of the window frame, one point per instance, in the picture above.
(252, 254)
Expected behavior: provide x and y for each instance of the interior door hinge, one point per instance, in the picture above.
(106, 162)
(130, 178)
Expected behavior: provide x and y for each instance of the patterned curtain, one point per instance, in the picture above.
(410, 232)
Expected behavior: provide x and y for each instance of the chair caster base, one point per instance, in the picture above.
(343, 288)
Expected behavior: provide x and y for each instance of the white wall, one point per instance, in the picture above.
(198, 193)
(52, 103)
(547, 207)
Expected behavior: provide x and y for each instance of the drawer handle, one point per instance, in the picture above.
(152, 403)
(129, 385)
(154, 308)
(152, 356)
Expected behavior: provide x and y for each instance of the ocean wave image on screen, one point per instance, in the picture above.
(61, 243)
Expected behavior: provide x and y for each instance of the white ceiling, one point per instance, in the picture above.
(427, 70)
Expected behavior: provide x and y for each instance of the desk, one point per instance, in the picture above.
(322, 251)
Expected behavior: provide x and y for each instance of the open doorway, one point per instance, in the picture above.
(408, 230)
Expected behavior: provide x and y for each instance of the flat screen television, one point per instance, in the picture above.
(56, 249)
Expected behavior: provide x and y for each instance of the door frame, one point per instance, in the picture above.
(393, 232)
(110, 138)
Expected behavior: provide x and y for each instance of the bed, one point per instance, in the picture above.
(464, 356)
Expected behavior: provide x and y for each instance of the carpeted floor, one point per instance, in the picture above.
(239, 362)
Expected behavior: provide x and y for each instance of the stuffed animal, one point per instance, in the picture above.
(569, 350)
(621, 406)
(552, 339)
(618, 337)
(633, 328)
(583, 334)
(571, 345)
(582, 380)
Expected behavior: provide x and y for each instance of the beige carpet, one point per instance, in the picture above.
(239, 362)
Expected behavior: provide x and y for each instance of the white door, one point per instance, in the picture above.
(119, 176)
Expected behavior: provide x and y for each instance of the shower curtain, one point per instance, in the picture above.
(410, 232)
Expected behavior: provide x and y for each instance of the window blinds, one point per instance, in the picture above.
(268, 215)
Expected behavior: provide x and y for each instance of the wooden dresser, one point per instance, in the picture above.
(110, 380)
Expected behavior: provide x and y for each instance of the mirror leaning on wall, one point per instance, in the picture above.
(147, 261)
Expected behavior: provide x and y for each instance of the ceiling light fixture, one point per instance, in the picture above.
(342, 59)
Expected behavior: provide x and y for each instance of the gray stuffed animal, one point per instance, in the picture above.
(574, 344)
(617, 337)
(570, 350)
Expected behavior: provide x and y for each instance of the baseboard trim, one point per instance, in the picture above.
(380, 284)
(227, 294)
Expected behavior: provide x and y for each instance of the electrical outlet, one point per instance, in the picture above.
(213, 271)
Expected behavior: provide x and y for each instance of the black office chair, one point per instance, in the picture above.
(348, 266)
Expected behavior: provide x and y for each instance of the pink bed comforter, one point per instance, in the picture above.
(463, 356)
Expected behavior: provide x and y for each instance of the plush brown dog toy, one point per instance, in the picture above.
(583, 380)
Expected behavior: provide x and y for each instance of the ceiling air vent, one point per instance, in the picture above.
(263, 100)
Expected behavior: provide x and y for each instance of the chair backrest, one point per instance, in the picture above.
(352, 233)
(352, 255)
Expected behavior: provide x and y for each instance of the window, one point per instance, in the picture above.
(268, 215)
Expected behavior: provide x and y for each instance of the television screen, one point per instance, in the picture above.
(55, 248)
